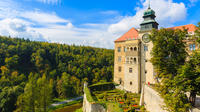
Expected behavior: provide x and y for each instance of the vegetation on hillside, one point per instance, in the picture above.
(177, 73)
(33, 73)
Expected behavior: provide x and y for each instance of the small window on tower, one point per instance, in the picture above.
(120, 69)
(119, 58)
(130, 70)
(120, 80)
(130, 83)
(145, 48)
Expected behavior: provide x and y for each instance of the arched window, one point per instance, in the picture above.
(127, 60)
(131, 49)
(130, 83)
(135, 60)
(127, 48)
(131, 60)
(135, 48)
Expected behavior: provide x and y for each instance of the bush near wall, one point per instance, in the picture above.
(102, 86)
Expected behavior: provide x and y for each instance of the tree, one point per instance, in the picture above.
(197, 33)
(8, 97)
(44, 95)
(30, 94)
(168, 51)
(64, 87)
(169, 55)
(189, 78)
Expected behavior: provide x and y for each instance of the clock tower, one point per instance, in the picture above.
(149, 20)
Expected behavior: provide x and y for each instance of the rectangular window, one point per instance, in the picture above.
(119, 49)
(192, 47)
(120, 68)
(145, 48)
(130, 70)
(127, 60)
(119, 58)
(124, 49)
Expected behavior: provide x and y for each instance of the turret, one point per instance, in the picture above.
(149, 20)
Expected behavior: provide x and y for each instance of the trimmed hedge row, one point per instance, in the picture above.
(102, 86)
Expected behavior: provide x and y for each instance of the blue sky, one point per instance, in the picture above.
(88, 22)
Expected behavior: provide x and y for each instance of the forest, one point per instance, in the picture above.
(33, 73)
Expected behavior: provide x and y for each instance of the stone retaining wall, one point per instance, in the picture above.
(92, 107)
(154, 103)
(151, 100)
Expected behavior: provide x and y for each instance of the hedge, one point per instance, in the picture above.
(102, 86)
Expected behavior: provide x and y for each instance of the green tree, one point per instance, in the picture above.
(168, 56)
(8, 97)
(64, 87)
(30, 94)
(44, 95)
(168, 51)
(189, 78)
(197, 33)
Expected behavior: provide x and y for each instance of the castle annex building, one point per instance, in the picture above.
(132, 66)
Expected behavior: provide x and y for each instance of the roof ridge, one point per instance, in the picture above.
(130, 34)
(182, 25)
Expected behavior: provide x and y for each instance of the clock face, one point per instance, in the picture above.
(146, 38)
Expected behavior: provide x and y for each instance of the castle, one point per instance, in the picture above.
(132, 66)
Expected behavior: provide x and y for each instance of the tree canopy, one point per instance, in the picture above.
(66, 67)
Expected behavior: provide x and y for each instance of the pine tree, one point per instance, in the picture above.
(44, 96)
(30, 93)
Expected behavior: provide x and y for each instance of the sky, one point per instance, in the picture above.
(94, 23)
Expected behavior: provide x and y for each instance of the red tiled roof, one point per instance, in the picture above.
(190, 27)
(131, 34)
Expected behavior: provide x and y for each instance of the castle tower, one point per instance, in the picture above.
(147, 71)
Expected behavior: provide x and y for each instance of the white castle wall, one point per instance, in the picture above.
(92, 107)
(154, 103)
(151, 100)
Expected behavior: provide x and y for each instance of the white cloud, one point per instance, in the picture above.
(79, 36)
(59, 30)
(44, 18)
(19, 28)
(167, 12)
